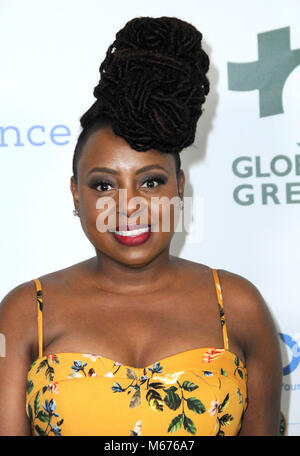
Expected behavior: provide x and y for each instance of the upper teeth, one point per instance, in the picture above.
(131, 232)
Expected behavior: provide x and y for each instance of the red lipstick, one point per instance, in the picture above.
(138, 234)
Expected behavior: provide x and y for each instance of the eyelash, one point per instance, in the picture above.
(101, 182)
(158, 179)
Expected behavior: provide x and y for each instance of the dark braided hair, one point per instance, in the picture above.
(152, 86)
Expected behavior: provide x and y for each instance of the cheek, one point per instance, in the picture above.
(98, 214)
(88, 209)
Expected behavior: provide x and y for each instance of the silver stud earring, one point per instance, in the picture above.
(75, 212)
(181, 204)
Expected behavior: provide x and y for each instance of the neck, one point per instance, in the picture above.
(115, 277)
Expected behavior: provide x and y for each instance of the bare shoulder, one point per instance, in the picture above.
(18, 311)
(69, 276)
(191, 269)
(17, 303)
(247, 312)
(242, 294)
(17, 316)
(248, 317)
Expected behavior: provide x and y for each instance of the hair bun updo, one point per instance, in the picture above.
(152, 84)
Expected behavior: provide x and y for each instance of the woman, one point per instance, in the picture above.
(135, 341)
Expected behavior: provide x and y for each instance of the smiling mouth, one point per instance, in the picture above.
(130, 230)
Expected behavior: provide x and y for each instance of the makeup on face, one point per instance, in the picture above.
(105, 178)
(110, 168)
(103, 184)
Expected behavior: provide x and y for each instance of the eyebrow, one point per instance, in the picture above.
(112, 171)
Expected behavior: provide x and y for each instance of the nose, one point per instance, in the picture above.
(131, 208)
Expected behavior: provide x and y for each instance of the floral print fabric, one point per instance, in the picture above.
(197, 392)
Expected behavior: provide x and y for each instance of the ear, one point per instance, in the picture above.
(74, 190)
(180, 183)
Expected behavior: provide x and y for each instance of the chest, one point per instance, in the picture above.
(134, 330)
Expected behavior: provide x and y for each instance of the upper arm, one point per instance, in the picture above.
(252, 322)
(17, 324)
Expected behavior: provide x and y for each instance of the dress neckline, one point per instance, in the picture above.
(236, 358)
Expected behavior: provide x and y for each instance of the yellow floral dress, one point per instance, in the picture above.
(197, 392)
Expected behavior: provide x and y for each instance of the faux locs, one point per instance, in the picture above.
(152, 87)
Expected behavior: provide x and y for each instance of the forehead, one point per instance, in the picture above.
(105, 148)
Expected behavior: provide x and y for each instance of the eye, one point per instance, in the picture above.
(151, 179)
(102, 184)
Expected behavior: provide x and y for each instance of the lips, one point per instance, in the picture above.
(138, 234)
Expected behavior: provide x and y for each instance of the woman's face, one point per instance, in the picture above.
(125, 170)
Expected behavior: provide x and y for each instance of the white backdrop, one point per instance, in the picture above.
(50, 54)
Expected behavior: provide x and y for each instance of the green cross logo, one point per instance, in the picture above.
(276, 60)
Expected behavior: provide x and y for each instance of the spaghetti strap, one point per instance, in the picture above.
(39, 301)
(221, 308)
